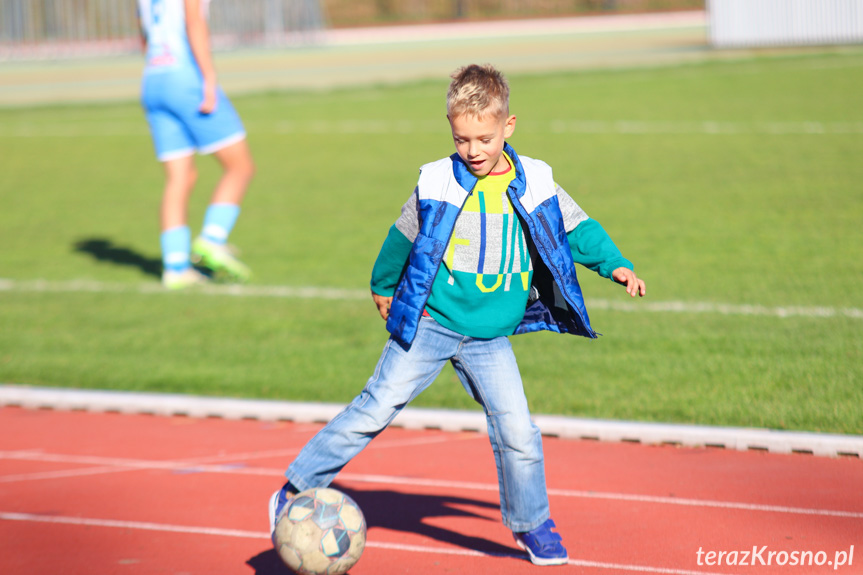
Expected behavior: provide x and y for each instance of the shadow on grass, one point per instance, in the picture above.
(106, 250)
(406, 512)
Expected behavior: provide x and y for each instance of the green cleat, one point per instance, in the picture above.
(184, 279)
(221, 258)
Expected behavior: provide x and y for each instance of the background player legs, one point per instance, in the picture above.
(180, 177)
(210, 248)
(237, 172)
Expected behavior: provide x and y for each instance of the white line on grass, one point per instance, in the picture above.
(346, 294)
(622, 127)
(727, 309)
(90, 286)
(383, 126)
(706, 127)
(437, 484)
(238, 533)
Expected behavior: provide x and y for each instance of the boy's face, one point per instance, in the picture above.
(479, 141)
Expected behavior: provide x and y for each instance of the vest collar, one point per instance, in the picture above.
(467, 180)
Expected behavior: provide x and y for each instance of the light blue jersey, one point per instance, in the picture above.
(172, 88)
(164, 25)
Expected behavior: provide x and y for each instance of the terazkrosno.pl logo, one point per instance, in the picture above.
(762, 556)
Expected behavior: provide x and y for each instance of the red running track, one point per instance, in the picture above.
(104, 493)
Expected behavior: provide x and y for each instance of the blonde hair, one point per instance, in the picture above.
(477, 91)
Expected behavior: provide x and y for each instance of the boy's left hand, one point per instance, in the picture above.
(627, 277)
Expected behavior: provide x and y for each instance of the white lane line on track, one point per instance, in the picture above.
(238, 533)
(106, 464)
(574, 562)
(346, 294)
(607, 496)
(131, 525)
(194, 465)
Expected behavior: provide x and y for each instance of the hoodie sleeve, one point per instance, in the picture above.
(391, 260)
(590, 244)
(396, 249)
(593, 248)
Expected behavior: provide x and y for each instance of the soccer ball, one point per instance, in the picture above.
(320, 532)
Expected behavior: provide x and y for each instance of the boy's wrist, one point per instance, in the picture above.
(608, 268)
(390, 263)
(383, 291)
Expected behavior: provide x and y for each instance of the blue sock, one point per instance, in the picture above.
(219, 221)
(175, 248)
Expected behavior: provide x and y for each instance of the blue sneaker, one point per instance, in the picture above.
(543, 545)
(278, 501)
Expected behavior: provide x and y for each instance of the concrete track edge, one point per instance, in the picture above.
(743, 439)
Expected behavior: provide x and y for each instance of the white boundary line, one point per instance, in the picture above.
(544, 27)
(623, 127)
(237, 533)
(822, 444)
(347, 294)
(104, 465)
(210, 464)
(6, 516)
(685, 502)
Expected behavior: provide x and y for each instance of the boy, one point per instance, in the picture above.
(188, 112)
(483, 249)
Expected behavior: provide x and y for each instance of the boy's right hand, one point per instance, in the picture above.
(383, 304)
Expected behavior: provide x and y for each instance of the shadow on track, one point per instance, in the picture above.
(407, 512)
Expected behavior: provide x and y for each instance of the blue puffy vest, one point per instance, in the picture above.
(556, 302)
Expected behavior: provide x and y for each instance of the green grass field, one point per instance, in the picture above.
(727, 183)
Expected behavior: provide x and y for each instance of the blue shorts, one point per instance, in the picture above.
(171, 103)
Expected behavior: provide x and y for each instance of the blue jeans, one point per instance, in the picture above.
(488, 372)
